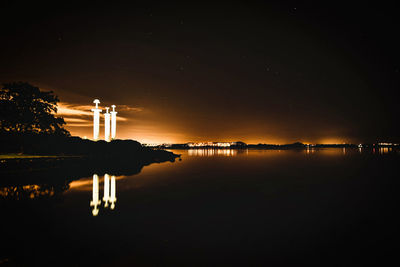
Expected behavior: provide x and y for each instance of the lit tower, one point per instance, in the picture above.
(112, 199)
(96, 120)
(107, 125)
(95, 195)
(113, 122)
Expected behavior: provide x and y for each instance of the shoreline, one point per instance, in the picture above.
(281, 148)
(64, 169)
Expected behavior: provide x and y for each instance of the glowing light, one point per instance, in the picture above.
(385, 144)
(106, 196)
(210, 144)
(96, 120)
(26, 191)
(95, 195)
(107, 126)
(112, 199)
(212, 152)
(113, 122)
(310, 148)
(384, 150)
(66, 109)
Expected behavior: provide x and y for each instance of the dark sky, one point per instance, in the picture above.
(256, 72)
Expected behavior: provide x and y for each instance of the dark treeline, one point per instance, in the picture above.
(116, 151)
(45, 144)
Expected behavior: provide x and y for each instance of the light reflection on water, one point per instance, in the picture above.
(109, 194)
(167, 212)
(95, 195)
(385, 150)
(108, 183)
(213, 152)
(30, 191)
(210, 152)
(106, 190)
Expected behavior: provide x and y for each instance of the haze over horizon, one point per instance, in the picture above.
(256, 72)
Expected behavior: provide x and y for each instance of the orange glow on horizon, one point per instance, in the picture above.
(149, 127)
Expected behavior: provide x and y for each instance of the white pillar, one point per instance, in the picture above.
(106, 190)
(96, 120)
(95, 195)
(113, 199)
(113, 122)
(107, 126)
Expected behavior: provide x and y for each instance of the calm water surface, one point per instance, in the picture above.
(214, 208)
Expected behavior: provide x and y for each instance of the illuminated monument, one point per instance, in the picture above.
(96, 120)
(107, 125)
(113, 122)
(110, 122)
(95, 195)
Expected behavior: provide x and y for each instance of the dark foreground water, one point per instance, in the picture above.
(330, 207)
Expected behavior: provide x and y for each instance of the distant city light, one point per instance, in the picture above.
(385, 144)
(211, 144)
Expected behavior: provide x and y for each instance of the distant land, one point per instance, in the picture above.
(242, 145)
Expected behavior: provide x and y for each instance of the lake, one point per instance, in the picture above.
(329, 207)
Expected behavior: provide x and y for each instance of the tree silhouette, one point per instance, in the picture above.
(24, 109)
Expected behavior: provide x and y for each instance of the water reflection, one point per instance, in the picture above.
(385, 150)
(212, 152)
(31, 191)
(95, 195)
(106, 196)
(109, 193)
(113, 199)
(310, 150)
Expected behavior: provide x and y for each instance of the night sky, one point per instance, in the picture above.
(255, 72)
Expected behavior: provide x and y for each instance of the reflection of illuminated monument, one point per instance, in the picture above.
(113, 199)
(109, 193)
(113, 122)
(96, 120)
(107, 125)
(95, 195)
(106, 189)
